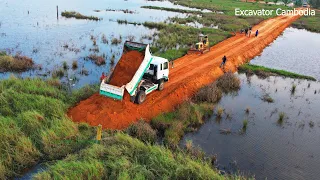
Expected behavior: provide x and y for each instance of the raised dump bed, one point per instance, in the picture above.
(136, 71)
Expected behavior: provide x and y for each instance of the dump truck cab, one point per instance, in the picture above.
(158, 69)
(153, 79)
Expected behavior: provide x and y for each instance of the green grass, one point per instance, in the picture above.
(172, 35)
(171, 9)
(191, 114)
(73, 14)
(258, 69)
(172, 54)
(123, 157)
(229, 82)
(226, 6)
(282, 115)
(34, 126)
(293, 88)
(142, 131)
(186, 117)
(267, 98)
(244, 124)
(310, 23)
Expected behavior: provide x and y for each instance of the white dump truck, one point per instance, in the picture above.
(151, 75)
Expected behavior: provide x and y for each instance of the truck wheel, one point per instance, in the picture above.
(161, 85)
(141, 97)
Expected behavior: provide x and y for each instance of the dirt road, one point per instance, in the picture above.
(189, 74)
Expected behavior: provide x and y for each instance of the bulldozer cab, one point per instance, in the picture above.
(204, 40)
(202, 46)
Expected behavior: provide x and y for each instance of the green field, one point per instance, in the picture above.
(35, 128)
(175, 34)
(122, 157)
(310, 23)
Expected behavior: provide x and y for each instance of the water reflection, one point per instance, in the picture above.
(267, 148)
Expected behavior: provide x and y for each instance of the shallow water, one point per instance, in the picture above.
(297, 50)
(37, 169)
(41, 36)
(267, 149)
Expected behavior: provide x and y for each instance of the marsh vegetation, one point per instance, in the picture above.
(73, 14)
(17, 63)
(264, 72)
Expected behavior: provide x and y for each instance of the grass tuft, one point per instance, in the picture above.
(73, 14)
(98, 60)
(293, 88)
(267, 98)
(282, 115)
(247, 110)
(34, 125)
(264, 72)
(220, 111)
(15, 63)
(59, 73)
(74, 64)
(210, 94)
(142, 131)
(228, 82)
(187, 117)
(244, 124)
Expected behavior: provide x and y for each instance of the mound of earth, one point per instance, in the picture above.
(126, 68)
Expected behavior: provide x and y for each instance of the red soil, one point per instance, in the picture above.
(126, 68)
(190, 73)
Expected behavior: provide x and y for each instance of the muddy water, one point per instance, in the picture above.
(267, 149)
(296, 50)
(32, 29)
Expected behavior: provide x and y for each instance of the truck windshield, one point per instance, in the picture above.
(165, 65)
(151, 67)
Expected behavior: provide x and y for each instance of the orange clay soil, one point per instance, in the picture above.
(126, 68)
(189, 74)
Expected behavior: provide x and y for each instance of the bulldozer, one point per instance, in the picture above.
(202, 46)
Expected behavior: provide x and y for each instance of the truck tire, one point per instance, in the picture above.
(141, 97)
(161, 85)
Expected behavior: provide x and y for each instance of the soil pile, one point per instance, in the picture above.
(185, 79)
(126, 68)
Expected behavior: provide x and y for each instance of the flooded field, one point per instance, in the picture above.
(281, 139)
(296, 51)
(32, 29)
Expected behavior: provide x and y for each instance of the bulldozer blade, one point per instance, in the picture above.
(194, 52)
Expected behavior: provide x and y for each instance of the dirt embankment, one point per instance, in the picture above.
(189, 74)
(126, 68)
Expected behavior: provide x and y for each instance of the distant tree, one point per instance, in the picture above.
(275, 1)
(266, 1)
(286, 1)
(315, 3)
(257, 1)
(298, 2)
